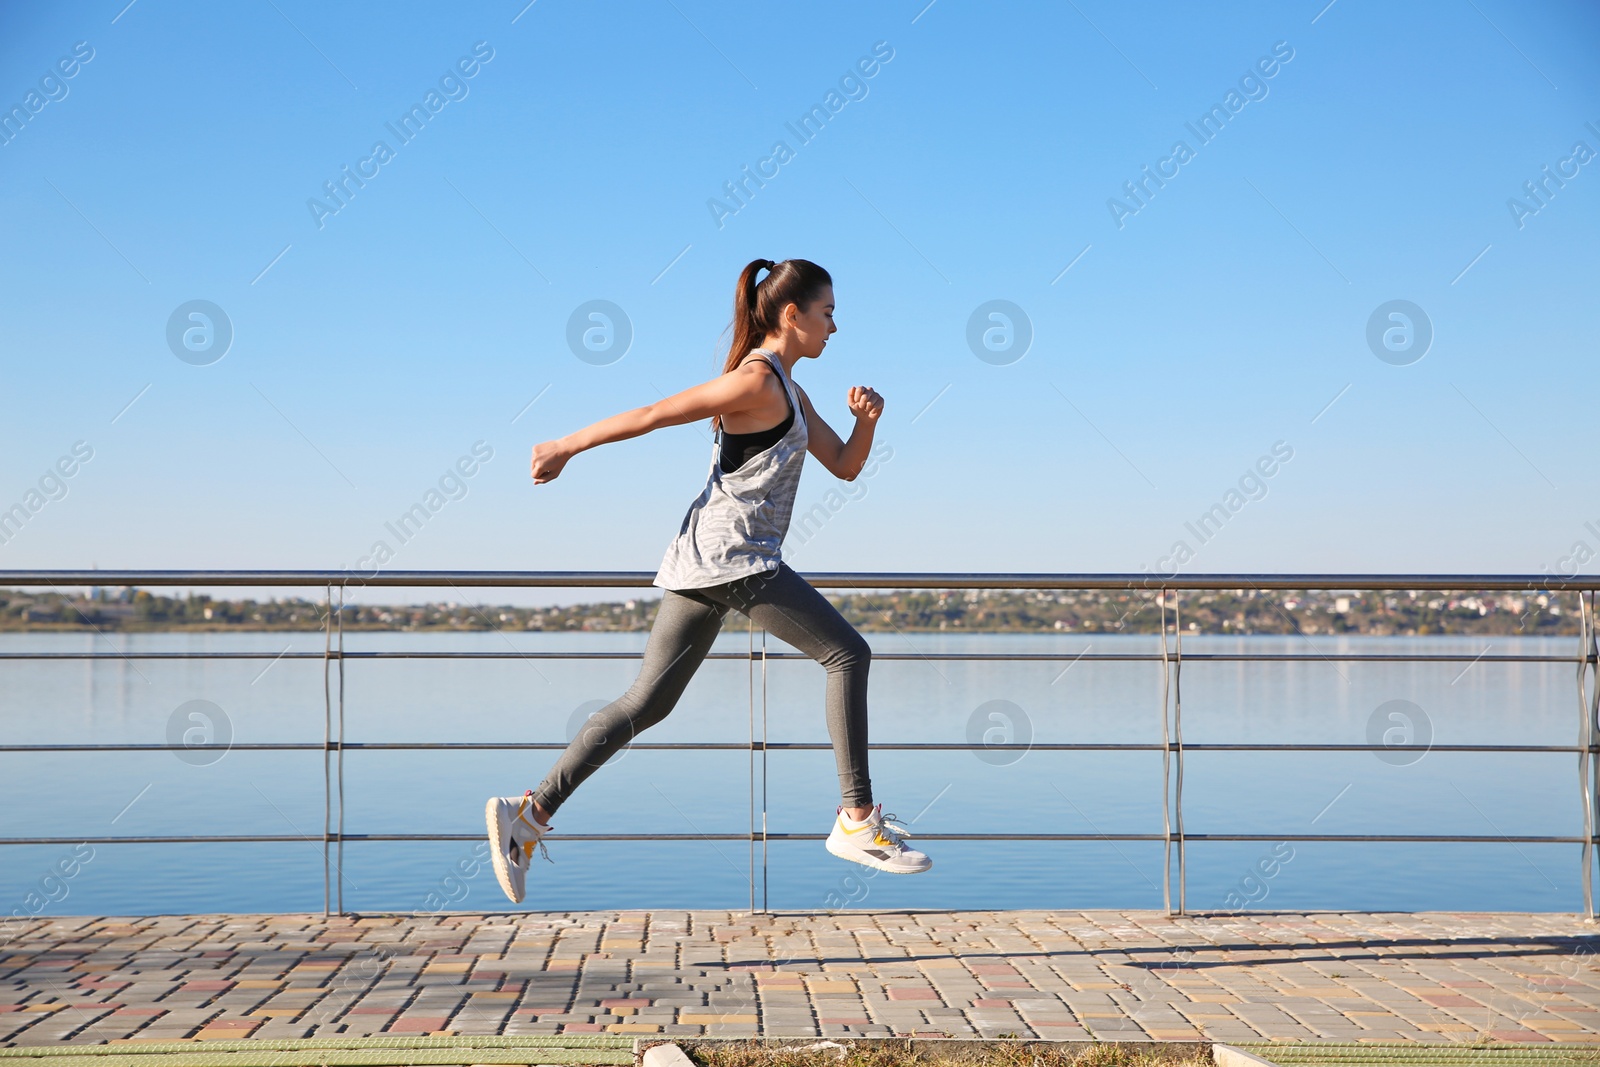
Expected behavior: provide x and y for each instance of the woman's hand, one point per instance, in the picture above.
(865, 403)
(548, 459)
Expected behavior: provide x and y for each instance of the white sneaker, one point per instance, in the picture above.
(513, 833)
(875, 843)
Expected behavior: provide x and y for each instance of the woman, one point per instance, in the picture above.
(726, 555)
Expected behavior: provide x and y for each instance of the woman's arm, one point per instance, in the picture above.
(844, 459)
(734, 391)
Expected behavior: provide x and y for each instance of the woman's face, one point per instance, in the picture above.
(811, 326)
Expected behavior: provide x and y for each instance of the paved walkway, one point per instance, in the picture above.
(1127, 975)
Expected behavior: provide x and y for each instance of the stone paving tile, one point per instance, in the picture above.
(1437, 976)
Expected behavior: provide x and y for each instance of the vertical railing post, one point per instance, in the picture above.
(750, 666)
(1588, 765)
(1592, 656)
(763, 770)
(327, 737)
(338, 867)
(1592, 660)
(1166, 764)
(1177, 722)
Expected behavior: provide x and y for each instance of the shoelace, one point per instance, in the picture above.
(892, 830)
(528, 847)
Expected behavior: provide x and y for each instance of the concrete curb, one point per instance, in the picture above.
(1228, 1056)
(668, 1055)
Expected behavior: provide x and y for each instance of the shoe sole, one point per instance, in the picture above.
(497, 852)
(868, 861)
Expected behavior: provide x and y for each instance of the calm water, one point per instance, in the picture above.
(89, 794)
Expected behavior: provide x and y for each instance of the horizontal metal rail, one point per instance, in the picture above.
(820, 579)
(1043, 657)
(216, 839)
(791, 746)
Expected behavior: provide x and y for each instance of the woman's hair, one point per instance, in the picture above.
(758, 305)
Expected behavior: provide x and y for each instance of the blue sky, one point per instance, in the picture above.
(1172, 347)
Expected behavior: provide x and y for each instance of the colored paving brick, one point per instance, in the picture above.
(419, 1024)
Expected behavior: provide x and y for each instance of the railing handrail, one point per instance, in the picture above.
(1367, 582)
(1010, 657)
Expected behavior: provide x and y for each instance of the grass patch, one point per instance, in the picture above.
(926, 1052)
(1431, 1054)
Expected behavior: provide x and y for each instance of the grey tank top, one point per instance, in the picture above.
(736, 526)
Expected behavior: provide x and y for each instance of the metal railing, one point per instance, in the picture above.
(1170, 656)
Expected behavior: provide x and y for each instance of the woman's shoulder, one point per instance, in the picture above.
(758, 361)
(762, 367)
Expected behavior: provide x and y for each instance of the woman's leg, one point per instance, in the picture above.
(686, 625)
(786, 606)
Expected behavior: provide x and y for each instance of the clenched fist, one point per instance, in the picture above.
(548, 459)
(865, 403)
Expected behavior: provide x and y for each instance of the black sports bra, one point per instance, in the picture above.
(739, 448)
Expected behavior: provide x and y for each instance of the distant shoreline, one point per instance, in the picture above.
(1228, 612)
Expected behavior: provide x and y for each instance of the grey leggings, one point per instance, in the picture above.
(786, 606)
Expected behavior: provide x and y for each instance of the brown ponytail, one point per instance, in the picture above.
(757, 306)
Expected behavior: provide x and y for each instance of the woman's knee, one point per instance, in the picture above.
(850, 653)
(641, 707)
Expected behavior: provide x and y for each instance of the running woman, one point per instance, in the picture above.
(726, 556)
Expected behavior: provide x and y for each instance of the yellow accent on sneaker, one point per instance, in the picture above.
(866, 824)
